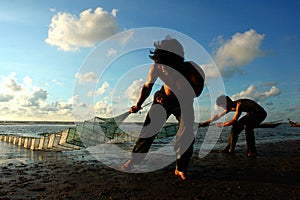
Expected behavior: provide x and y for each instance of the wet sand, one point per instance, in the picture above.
(275, 174)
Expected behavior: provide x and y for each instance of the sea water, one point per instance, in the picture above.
(14, 154)
(10, 153)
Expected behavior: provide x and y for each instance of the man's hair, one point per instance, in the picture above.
(223, 100)
(168, 51)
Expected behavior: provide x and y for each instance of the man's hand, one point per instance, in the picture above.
(204, 124)
(220, 124)
(134, 109)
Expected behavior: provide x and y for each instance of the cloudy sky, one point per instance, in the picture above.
(44, 45)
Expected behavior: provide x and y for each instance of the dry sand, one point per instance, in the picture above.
(275, 174)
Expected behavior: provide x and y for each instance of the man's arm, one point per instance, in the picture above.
(234, 119)
(144, 94)
(214, 118)
(146, 89)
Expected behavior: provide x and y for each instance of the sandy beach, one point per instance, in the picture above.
(274, 174)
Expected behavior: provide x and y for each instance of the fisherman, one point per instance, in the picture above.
(183, 81)
(255, 115)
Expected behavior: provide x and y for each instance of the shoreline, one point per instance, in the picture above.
(37, 122)
(274, 174)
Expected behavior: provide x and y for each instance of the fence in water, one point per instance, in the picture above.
(89, 133)
(46, 142)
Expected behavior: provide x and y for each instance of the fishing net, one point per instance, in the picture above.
(105, 130)
(97, 130)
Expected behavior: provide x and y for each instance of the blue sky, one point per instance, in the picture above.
(44, 44)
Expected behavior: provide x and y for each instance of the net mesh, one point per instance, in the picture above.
(104, 130)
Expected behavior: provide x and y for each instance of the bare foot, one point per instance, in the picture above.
(251, 155)
(181, 174)
(126, 166)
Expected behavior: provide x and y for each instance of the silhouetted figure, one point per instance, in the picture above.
(255, 115)
(183, 81)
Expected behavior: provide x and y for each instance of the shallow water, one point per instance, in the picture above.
(10, 153)
(32, 130)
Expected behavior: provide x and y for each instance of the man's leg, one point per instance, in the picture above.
(236, 129)
(154, 121)
(250, 140)
(253, 121)
(140, 149)
(182, 161)
(185, 139)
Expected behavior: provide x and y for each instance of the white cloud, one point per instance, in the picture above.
(103, 108)
(60, 104)
(111, 52)
(133, 90)
(100, 90)
(244, 47)
(34, 99)
(252, 93)
(25, 101)
(274, 91)
(125, 38)
(87, 77)
(27, 81)
(5, 97)
(210, 71)
(56, 82)
(10, 84)
(69, 32)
